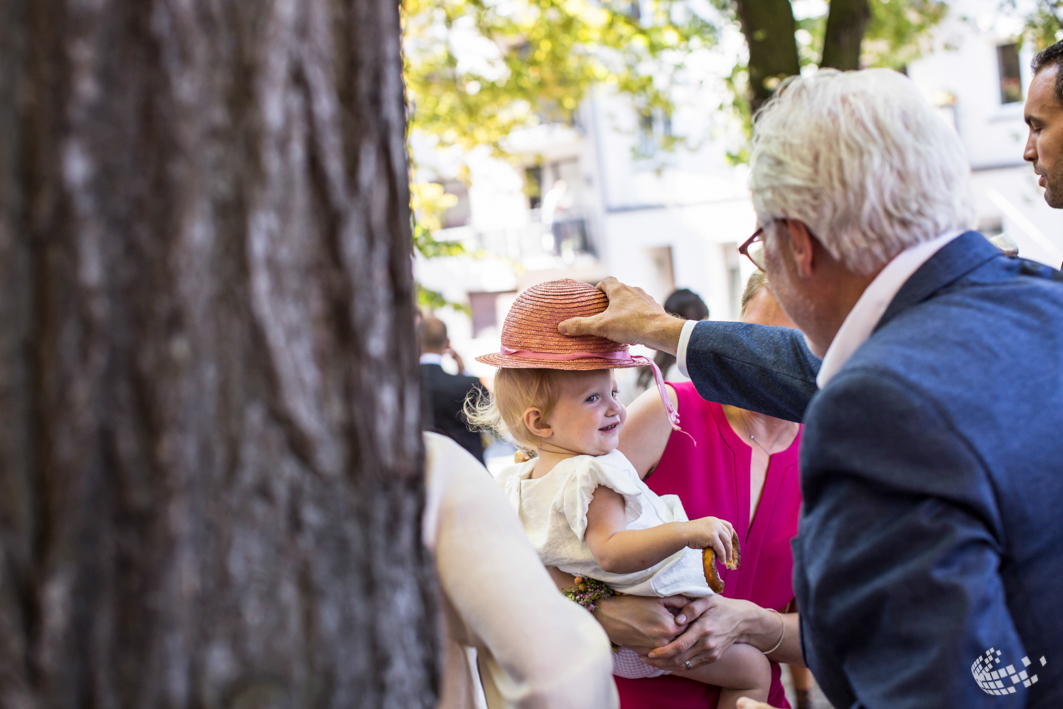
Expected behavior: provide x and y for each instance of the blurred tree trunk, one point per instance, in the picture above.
(846, 24)
(768, 26)
(210, 465)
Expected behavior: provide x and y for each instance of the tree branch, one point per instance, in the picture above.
(846, 24)
(768, 26)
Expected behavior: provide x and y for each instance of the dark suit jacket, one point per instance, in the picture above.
(443, 396)
(932, 478)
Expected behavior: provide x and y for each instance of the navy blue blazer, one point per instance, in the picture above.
(932, 477)
(442, 406)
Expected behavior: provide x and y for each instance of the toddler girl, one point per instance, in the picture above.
(583, 505)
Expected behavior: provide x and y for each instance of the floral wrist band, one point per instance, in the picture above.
(586, 592)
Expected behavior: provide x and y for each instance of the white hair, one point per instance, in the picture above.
(863, 160)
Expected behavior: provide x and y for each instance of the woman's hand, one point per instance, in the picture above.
(719, 624)
(641, 623)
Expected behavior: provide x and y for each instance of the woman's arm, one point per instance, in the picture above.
(646, 432)
(721, 622)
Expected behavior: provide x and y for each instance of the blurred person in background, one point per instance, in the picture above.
(688, 305)
(443, 394)
(556, 202)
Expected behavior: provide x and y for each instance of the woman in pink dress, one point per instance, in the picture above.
(744, 469)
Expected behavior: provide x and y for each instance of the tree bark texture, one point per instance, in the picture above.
(768, 26)
(210, 465)
(846, 24)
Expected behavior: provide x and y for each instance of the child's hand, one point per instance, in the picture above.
(712, 532)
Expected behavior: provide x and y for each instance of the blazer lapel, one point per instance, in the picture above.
(958, 258)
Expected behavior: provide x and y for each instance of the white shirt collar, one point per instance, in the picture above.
(432, 358)
(869, 309)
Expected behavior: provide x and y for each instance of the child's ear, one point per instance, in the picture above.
(533, 419)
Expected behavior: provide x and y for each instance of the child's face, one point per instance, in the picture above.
(587, 417)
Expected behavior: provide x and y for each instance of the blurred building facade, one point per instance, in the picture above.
(978, 73)
(606, 196)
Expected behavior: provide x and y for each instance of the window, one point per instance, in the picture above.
(533, 186)
(460, 212)
(485, 308)
(1010, 79)
(655, 126)
(647, 142)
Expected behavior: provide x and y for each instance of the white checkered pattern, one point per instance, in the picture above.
(628, 664)
(994, 681)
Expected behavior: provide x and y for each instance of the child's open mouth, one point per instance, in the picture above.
(610, 427)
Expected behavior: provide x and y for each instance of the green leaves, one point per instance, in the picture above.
(429, 202)
(899, 31)
(1044, 26)
(477, 70)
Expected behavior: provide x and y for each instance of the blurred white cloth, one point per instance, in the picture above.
(674, 375)
(553, 509)
(536, 648)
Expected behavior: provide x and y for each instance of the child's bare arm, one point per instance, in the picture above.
(621, 551)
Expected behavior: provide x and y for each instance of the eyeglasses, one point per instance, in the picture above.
(753, 249)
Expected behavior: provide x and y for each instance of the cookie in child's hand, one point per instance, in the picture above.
(708, 562)
(736, 554)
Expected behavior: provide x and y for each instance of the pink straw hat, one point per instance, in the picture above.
(530, 336)
(530, 339)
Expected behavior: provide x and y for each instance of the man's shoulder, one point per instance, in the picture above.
(976, 334)
(972, 375)
(875, 413)
(437, 375)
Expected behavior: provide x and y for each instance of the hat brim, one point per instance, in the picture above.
(587, 364)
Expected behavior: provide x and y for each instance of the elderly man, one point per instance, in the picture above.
(930, 381)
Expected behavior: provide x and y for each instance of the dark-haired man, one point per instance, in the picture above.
(1044, 116)
(444, 394)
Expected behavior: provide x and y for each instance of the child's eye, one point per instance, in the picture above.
(592, 398)
(616, 393)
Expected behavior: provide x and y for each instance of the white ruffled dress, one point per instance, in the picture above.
(553, 510)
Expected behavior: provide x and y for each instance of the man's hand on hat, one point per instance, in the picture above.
(632, 318)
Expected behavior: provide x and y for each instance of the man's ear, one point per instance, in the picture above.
(533, 419)
(802, 247)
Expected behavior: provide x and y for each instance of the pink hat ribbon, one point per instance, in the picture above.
(621, 356)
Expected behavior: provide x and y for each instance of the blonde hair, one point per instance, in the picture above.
(757, 282)
(516, 391)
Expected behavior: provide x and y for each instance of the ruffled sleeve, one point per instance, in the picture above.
(587, 474)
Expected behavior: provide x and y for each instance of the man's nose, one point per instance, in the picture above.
(1030, 153)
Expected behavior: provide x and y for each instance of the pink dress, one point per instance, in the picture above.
(712, 479)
